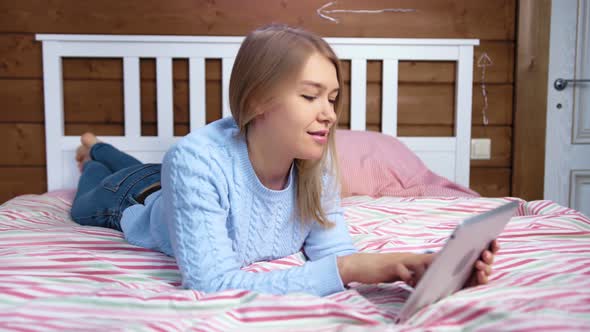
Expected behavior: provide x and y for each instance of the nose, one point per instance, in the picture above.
(327, 114)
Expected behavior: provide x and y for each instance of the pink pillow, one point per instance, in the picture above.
(376, 164)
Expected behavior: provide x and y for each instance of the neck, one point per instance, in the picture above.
(270, 163)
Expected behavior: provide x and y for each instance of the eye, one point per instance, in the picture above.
(309, 98)
(332, 101)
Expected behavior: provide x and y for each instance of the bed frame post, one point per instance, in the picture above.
(54, 112)
(463, 114)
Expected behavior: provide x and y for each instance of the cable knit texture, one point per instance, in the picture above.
(214, 216)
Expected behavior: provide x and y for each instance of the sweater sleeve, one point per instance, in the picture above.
(196, 207)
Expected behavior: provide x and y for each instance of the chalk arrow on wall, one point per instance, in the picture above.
(323, 11)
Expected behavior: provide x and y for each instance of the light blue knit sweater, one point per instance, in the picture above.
(214, 216)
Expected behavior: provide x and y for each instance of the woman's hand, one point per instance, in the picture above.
(375, 268)
(483, 266)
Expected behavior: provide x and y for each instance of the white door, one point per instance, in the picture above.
(567, 148)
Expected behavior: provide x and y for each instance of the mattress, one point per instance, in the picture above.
(57, 275)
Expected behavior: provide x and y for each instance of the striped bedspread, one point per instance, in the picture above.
(58, 276)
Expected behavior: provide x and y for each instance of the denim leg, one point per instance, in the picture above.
(93, 172)
(112, 157)
(103, 205)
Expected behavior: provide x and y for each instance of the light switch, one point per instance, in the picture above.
(481, 148)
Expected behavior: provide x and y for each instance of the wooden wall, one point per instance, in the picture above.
(93, 95)
(530, 104)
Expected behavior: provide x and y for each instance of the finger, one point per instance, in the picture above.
(495, 246)
(404, 274)
(418, 270)
(480, 266)
(78, 154)
(472, 281)
(487, 257)
(482, 278)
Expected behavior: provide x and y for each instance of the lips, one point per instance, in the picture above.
(319, 133)
(319, 136)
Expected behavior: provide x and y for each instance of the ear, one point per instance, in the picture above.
(259, 111)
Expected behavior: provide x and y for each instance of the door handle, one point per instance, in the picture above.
(561, 83)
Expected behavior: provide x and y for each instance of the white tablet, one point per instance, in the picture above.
(453, 265)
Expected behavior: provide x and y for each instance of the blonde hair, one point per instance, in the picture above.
(267, 60)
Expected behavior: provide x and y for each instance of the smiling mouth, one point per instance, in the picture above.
(319, 133)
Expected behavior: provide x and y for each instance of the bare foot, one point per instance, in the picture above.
(83, 151)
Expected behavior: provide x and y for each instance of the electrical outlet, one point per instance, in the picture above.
(481, 148)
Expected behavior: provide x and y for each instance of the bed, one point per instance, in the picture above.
(57, 275)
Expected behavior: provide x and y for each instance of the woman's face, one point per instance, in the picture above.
(300, 117)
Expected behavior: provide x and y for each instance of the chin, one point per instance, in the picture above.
(312, 155)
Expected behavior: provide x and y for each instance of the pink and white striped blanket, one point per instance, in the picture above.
(57, 276)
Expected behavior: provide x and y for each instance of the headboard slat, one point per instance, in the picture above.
(389, 97)
(131, 92)
(197, 95)
(358, 94)
(226, 66)
(164, 92)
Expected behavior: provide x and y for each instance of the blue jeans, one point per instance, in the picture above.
(109, 183)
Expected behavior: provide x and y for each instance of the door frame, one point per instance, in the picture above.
(530, 98)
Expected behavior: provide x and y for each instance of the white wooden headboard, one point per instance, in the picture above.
(447, 156)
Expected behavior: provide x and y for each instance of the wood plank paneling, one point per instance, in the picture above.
(22, 100)
(530, 119)
(15, 181)
(500, 101)
(20, 56)
(93, 101)
(494, 20)
(502, 68)
(23, 144)
(490, 182)
(93, 88)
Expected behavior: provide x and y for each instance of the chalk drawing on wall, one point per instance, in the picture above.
(483, 62)
(325, 13)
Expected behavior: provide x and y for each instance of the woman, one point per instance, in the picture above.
(259, 185)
